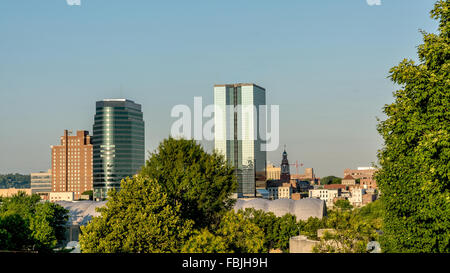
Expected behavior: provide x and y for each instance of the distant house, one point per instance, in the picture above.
(348, 180)
(326, 195)
(365, 175)
(356, 198)
(279, 190)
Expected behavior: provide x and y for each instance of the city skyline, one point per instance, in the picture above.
(330, 84)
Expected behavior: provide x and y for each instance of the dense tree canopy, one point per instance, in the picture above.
(415, 165)
(343, 204)
(201, 183)
(180, 202)
(349, 233)
(27, 224)
(18, 181)
(136, 219)
(330, 180)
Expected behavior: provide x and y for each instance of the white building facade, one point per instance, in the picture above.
(326, 195)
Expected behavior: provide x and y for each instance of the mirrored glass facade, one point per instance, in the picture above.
(236, 132)
(119, 145)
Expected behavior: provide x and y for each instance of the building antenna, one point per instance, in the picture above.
(121, 91)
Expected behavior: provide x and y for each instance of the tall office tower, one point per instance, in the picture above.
(41, 184)
(237, 133)
(119, 145)
(72, 164)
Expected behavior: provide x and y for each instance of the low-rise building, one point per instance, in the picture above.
(326, 195)
(365, 176)
(348, 180)
(307, 176)
(41, 184)
(335, 187)
(279, 190)
(301, 185)
(356, 198)
(13, 191)
(368, 198)
(61, 196)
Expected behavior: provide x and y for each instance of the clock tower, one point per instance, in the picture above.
(285, 173)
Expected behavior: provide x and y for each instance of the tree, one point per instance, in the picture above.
(137, 219)
(235, 234)
(240, 234)
(205, 242)
(310, 227)
(21, 204)
(201, 183)
(26, 223)
(14, 232)
(414, 174)
(349, 234)
(327, 180)
(372, 213)
(267, 222)
(343, 204)
(285, 228)
(48, 225)
(18, 181)
(90, 193)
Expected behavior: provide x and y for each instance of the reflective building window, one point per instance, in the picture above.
(118, 142)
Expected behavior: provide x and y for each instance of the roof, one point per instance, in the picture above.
(277, 183)
(239, 84)
(302, 209)
(334, 186)
(81, 212)
(348, 177)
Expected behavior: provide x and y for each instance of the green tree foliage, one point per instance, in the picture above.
(90, 193)
(354, 228)
(137, 219)
(267, 222)
(343, 204)
(205, 242)
(415, 165)
(372, 213)
(20, 203)
(241, 235)
(310, 227)
(48, 225)
(201, 183)
(327, 180)
(14, 232)
(236, 233)
(18, 181)
(285, 227)
(278, 230)
(26, 223)
(349, 233)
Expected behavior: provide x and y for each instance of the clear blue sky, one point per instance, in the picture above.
(324, 62)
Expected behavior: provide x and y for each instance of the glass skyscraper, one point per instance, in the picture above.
(236, 132)
(118, 142)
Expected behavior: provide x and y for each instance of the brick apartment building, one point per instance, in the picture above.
(365, 176)
(72, 164)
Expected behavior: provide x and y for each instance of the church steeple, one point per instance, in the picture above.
(285, 173)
